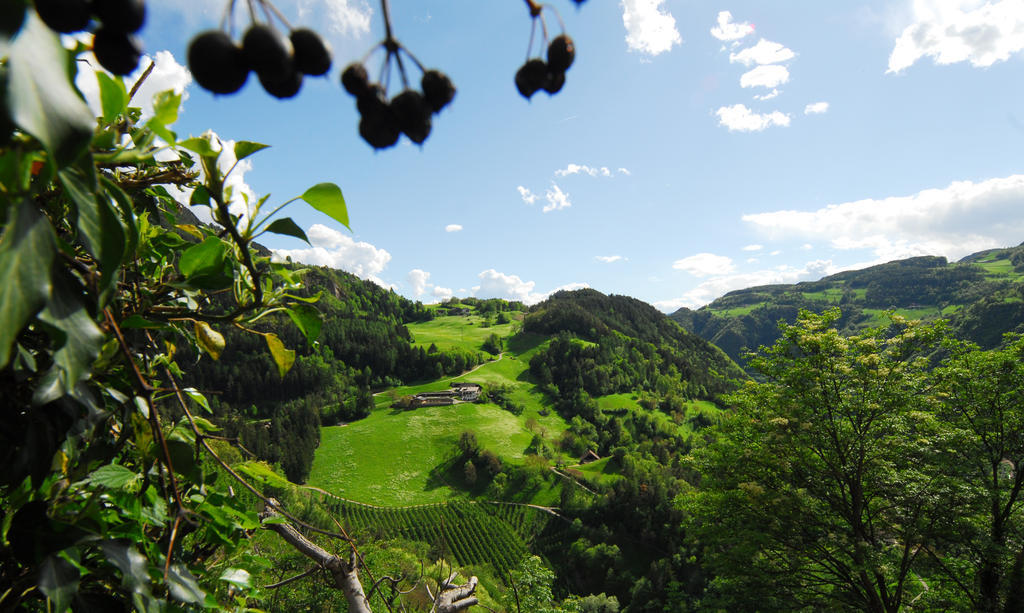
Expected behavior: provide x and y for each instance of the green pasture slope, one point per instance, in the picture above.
(398, 457)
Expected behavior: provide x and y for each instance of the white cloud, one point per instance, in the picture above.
(332, 248)
(728, 30)
(720, 285)
(772, 94)
(453, 227)
(167, 74)
(649, 28)
(816, 108)
(753, 247)
(953, 221)
(573, 169)
(419, 281)
(738, 118)
(557, 199)
(704, 264)
(952, 31)
(769, 75)
(494, 284)
(350, 17)
(527, 196)
(764, 52)
(608, 259)
(625, 171)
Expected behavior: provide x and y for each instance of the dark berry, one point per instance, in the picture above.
(531, 77)
(282, 88)
(413, 115)
(437, 89)
(12, 16)
(267, 51)
(64, 15)
(372, 101)
(217, 62)
(554, 82)
(312, 56)
(355, 80)
(120, 15)
(118, 52)
(561, 53)
(380, 129)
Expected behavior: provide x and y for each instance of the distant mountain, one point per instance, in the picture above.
(982, 296)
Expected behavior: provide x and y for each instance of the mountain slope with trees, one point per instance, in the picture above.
(982, 296)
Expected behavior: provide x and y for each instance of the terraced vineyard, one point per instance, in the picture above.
(498, 534)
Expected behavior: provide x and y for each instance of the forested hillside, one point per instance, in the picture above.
(982, 296)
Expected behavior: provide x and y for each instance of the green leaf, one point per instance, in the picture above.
(133, 565)
(58, 579)
(244, 149)
(41, 96)
(287, 227)
(183, 586)
(27, 250)
(284, 358)
(98, 224)
(77, 335)
(200, 146)
(209, 339)
(113, 476)
(113, 96)
(327, 198)
(165, 107)
(206, 265)
(139, 322)
(198, 398)
(200, 195)
(307, 319)
(238, 577)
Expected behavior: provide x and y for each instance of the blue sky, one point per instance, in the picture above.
(696, 147)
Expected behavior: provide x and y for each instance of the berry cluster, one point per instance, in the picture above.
(114, 44)
(221, 66)
(537, 74)
(382, 121)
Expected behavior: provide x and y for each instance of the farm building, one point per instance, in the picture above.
(467, 391)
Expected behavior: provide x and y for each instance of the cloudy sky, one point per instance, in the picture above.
(696, 148)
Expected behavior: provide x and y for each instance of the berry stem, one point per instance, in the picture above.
(533, 31)
(558, 16)
(228, 18)
(252, 11)
(280, 15)
(533, 7)
(414, 59)
(385, 8)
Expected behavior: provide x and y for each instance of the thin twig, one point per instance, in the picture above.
(309, 572)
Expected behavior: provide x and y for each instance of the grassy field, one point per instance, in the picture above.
(459, 332)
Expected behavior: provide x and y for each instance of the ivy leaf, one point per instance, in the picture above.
(244, 149)
(307, 319)
(58, 579)
(287, 227)
(140, 322)
(200, 195)
(284, 358)
(183, 586)
(27, 249)
(41, 97)
(327, 198)
(113, 96)
(209, 339)
(113, 477)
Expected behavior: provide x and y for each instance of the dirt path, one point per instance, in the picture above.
(576, 481)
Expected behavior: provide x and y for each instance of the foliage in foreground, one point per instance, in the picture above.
(858, 478)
